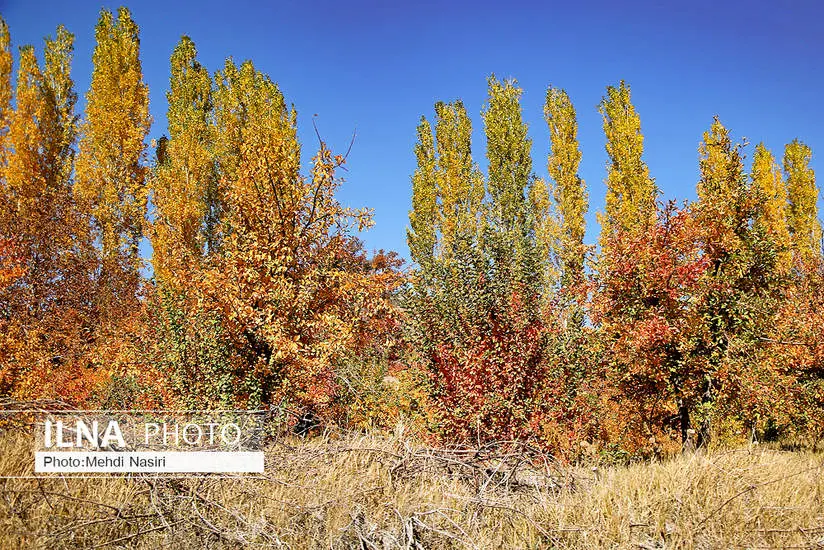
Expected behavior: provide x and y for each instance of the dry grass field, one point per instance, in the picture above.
(371, 492)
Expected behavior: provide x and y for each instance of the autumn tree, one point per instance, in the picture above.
(569, 190)
(794, 346)
(631, 192)
(771, 196)
(184, 184)
(110, 168)
(448, 191)
(794, 351)
(741, 288)
(295, 293)
(47, 334)
(459, 181)
(508, 152)
(509, 242)
(802, 215)
(687, 303)
(644, 310)
(423, 218)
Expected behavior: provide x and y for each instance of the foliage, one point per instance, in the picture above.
(184, 183)
(47, 254)
(631, 192)
(569, 190)
(478, 320)
(802, 215)
(110, 179)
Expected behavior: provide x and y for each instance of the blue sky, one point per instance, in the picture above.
(376, 67)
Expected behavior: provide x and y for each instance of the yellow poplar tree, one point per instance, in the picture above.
(110, 169)
(771, 194)
(569, 190)
(739, 230)
(631, 192)
(183, 181)
(50, 301)
(457, 179)
(423, 217)
(9, 270)
(508, 150)
(41, 138)
(448, 188)
(802, 215)
(722, 193)
(509, 223)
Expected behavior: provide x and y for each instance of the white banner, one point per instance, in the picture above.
(149, 462)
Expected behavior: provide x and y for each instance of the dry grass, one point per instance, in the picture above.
(370, 492)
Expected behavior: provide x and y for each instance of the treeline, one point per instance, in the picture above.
(688, 322)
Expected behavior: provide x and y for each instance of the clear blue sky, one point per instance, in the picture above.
(378, 66)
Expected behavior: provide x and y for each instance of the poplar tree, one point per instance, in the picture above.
(41, 138)
(8, 249)
(183, 182)
(448, 188)
(50, 300)
(631, 192)
(508, 150)
(457, 179)
(110, 166)
(722, 194)
(568, 190)
(802, 214)
(509, 242)
(722, 215)
(738, 223)
(445, 220)
(25, 176)
(423, 217)
(771, 211)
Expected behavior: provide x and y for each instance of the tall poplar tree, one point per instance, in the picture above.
(510, 241)
(183, 182)
(458, 180)
(722, 194)
(50, 300)
(41, 138)
(421, 234)
(8, 267)
(770, 194)
(445, 220)
(738, 224)
(569, 190)
(802, 215)
(111, 169)
(631, 192)
(508, 150)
